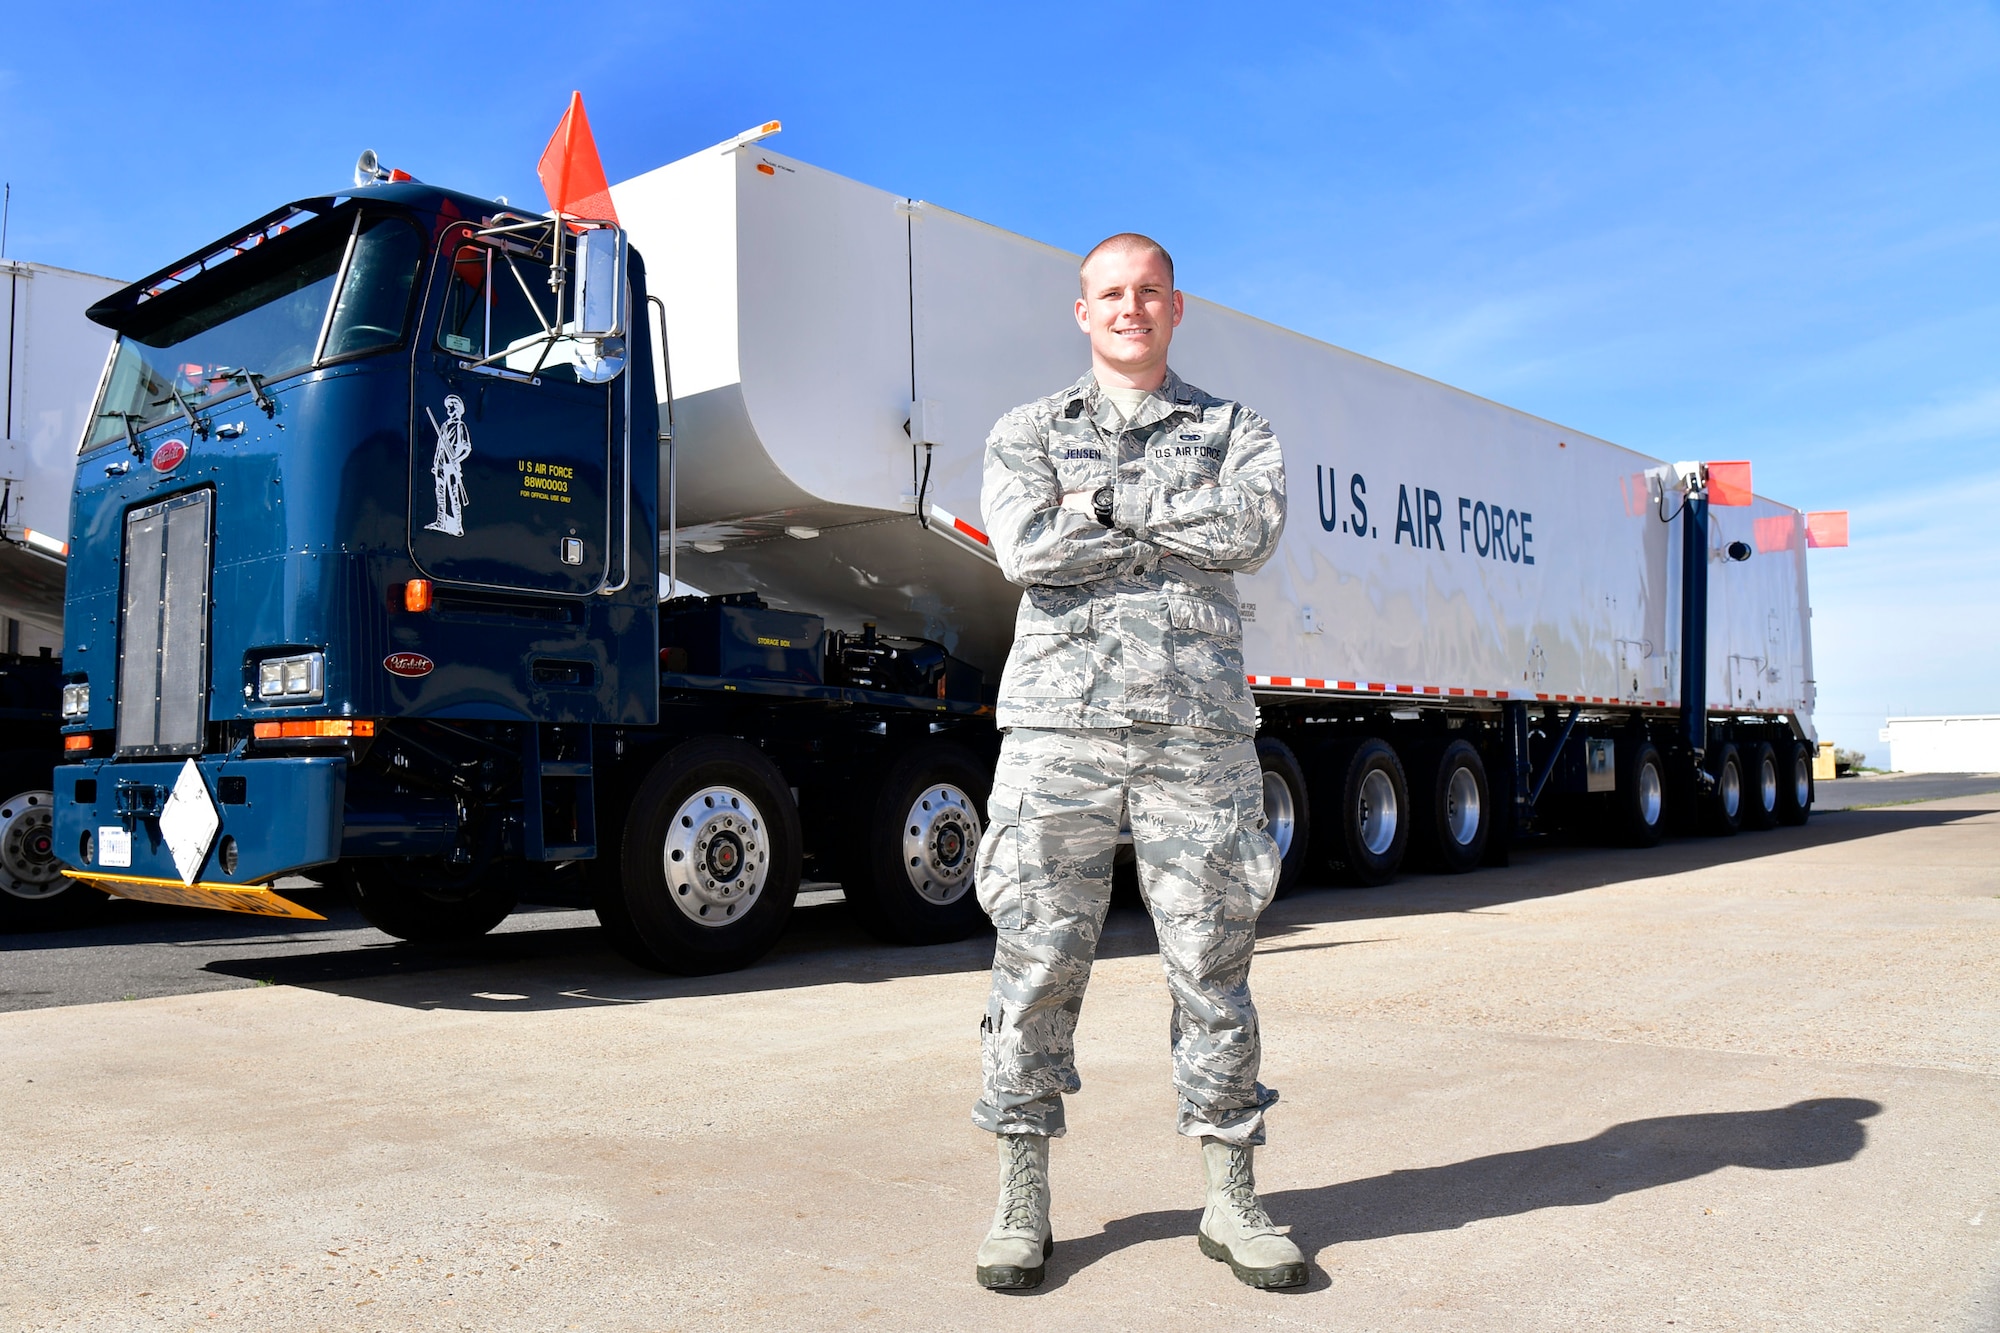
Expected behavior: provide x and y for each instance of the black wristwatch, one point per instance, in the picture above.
(1100, 502)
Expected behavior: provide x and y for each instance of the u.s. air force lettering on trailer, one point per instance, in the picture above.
(1489, 529)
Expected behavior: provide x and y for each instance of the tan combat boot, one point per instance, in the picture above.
(1235, 1228)
(1015, 1250)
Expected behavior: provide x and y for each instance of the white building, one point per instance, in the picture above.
(50, 362)
(1968, 743)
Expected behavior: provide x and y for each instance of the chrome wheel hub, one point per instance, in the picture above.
(717, 856)
(1281, 817)
(1801, 782)
(1652, 794)
(1378, 812)
(1729, 787)
(940, 842)
(1461, 806)
(1767, 785)
(28, 867)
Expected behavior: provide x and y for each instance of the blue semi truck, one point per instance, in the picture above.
(308, 626)
(369, 526)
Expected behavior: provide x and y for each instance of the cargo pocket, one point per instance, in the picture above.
(1253, 873)
(997, 872)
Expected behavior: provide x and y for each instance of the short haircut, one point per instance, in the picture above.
(1125, 240)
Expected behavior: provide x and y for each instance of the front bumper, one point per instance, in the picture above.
(280, 815)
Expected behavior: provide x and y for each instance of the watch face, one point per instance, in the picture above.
(1103, 497)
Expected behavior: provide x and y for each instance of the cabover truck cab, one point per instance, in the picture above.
(365, 584)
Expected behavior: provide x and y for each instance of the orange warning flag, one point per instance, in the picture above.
(570, 171)
(1729, 483)
(1826, 527)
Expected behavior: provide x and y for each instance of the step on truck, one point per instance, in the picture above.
(464, 556)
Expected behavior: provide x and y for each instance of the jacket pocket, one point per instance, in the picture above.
(1050, 655)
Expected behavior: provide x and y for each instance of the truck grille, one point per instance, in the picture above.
(163, 615)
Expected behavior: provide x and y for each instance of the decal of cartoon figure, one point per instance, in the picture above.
(454, 446)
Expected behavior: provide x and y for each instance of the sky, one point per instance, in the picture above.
(1764, 231)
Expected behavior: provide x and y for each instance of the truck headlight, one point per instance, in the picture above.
(296, 679)
(76, 701)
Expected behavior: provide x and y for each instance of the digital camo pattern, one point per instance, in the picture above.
(1137, 622)
(1207, 869)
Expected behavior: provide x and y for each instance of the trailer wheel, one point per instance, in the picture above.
(709, 864)
(907, 869)
(1642, 795)
(1722, 807)
(1451, 808)
(1287, 809)
(34, 892)
(1364, 827)
(1795, 787)
(1763, 793)
(427, 899)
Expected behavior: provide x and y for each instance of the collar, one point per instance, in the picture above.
(1174, 395)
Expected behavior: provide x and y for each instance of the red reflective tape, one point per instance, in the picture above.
(1479, 694)
(1315, 684)
(970, 531)
(1377, 688)
(1432, 689)
(1281, 680)
(1406, 689)
(1457, 692)
(1344, 685)
(1541, 696)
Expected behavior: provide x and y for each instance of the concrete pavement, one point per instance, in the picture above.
(1720, 1085)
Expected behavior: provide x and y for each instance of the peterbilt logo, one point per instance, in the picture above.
(169, 455)
(408, 664)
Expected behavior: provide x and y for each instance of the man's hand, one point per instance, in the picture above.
(1078, 502)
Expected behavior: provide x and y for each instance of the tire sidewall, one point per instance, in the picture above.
(1363, 866)
(882, 896)
(1274, 756)
(670, 939)
(1632, 819)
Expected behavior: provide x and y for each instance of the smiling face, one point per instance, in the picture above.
(1129, 308)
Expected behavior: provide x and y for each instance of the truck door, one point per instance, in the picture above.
(510, 451)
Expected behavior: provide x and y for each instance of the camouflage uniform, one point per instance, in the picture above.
(1124, 697)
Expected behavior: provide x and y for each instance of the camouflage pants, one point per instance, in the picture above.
(1207, 868)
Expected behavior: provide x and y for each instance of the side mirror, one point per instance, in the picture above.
(600, 284)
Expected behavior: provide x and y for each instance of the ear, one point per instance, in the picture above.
(1083, 314)
(1180, 308)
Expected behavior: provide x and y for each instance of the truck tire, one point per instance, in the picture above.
(1762, 790)
(427, 899)
(1287, 809)
(1641, 798)
(1450, 808)
(709, 863)
(1795, 786)
(1364, 825)
(907, 868)
(34, 892)
(1722, 805)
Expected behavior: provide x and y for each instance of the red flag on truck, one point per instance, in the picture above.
(571, 173)
(1826, 527)
(1729, 483)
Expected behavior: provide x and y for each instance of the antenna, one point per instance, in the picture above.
(6, 215)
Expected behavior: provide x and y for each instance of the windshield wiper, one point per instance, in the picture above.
(195, 423)
(131, 435)
(256, 383)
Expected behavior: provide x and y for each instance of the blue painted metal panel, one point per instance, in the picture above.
(288, 817)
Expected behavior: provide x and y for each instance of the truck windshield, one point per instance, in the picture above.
(263, 311)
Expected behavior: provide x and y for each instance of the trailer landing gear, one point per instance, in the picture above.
(709, 866)
(908, 866)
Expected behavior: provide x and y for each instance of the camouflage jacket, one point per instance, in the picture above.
(1137, 622)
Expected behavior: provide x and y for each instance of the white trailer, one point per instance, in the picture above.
(1453, 569)
(50, 360)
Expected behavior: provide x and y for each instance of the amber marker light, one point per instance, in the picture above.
(417, 595)
(75, 743)
(316, 728)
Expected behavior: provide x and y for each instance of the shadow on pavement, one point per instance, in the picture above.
(569, 966)
(1637, 1155)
